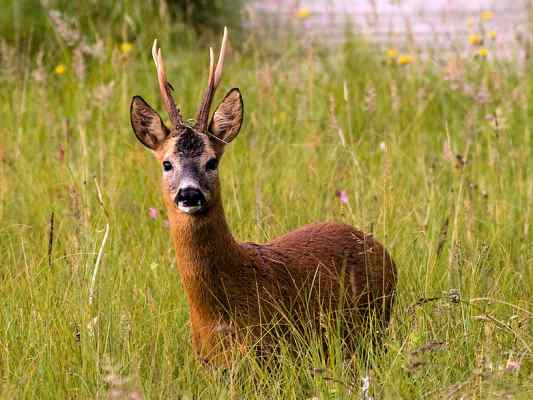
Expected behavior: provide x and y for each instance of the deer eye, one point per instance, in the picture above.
(167, 165)
(212, 164)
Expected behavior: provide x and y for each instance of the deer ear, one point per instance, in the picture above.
(227, 119)
(147, 124)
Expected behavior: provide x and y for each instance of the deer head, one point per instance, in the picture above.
(189, 155)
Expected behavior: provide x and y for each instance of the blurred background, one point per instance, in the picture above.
(425, 26)
(407, 119)
(439, 26)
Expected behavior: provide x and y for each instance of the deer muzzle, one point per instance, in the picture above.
(190, 200)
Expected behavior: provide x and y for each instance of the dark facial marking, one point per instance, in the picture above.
(189, 144)
(211, 164)
(167, 165)
(190, 169)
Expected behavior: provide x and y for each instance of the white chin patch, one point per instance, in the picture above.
(189, 209)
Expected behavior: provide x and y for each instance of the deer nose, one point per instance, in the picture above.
(190, 199)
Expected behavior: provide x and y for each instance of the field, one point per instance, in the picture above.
(433, 156)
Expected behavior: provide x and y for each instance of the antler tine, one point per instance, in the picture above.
(165, 87)
(154, 55)
(221, 55)
(212, 84)
(211, 65)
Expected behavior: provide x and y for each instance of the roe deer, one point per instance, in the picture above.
(234, 287)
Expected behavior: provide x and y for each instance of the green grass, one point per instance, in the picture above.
(451, 227)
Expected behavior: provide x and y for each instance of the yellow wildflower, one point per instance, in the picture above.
(470, 22)
(487, 15)
(303, 13)
(126, 47)
(405, 59)
(483, 52)
(60, 69)
(392, 53)
(475, 40)
(491, 35)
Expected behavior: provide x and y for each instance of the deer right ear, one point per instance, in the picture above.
(227, 119)
(147, 124)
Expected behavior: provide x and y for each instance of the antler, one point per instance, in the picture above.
(212, 84)
(165, 87)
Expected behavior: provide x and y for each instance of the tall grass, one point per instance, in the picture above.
(435, 159)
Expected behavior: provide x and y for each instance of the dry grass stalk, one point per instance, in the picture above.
(101, 250)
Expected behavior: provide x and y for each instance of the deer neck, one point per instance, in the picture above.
(205, 250)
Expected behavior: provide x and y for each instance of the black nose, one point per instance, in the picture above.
(190, 197)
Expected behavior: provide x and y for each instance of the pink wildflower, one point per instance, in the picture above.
(342, 195)
(512, 365)
(152, 212)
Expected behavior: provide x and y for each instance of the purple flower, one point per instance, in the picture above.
(342, 195)
(152, 212)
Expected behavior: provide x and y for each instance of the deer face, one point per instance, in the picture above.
(188, 157)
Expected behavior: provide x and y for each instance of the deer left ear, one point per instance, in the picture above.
(147, 124)
(227, 119)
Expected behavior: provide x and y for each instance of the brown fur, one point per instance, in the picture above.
(237, 291)
(234, 288)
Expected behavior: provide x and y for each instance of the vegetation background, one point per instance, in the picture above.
(434, 156)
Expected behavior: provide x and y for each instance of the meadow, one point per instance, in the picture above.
(433, 156)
